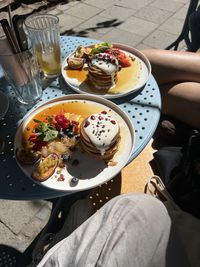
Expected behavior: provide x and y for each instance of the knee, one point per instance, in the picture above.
(140, 200)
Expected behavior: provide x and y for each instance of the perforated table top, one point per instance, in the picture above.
(142, 107)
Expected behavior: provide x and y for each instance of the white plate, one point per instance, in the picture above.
(128, 81)
(91, 172)
(4, 104)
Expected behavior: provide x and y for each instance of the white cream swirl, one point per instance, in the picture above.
(101, 130)
(105, 62)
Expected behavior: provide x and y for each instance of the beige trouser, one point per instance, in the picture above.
(130, 230)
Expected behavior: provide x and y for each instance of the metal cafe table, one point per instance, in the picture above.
(142, 107)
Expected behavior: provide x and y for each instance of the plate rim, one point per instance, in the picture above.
(90, 97)
(123, 47)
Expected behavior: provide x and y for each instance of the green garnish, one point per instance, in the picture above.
(46, 131)
(101, 48)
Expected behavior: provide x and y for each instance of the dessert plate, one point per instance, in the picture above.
(90, 172)
(130, 79)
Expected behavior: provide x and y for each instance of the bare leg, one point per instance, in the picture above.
(182, 101)
(178, 75)
(171, 66)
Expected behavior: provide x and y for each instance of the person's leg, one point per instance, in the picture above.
(130, 230)
(178, 76)
(182, 101)
(172, 66)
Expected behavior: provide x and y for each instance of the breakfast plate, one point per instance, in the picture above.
(79, 170)
(129, 79)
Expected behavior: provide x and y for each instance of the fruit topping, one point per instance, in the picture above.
(74, 181)
(45, 168)
(123, 59)
(66, 158)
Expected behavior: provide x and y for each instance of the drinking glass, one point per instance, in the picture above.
(22, 72)
(43, 32)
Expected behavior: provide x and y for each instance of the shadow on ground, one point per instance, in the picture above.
(85, 32)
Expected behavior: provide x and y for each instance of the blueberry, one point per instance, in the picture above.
(66, 158)
(61, 134)
(74, 181)
(70, 134)
(70, 127)
(67, 131)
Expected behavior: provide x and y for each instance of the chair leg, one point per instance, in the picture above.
(185, 30)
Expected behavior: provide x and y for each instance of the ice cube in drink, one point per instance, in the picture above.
(49, 60)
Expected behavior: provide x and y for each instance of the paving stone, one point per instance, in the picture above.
(16, 214)
(142, 46)
(101, 3)
(182, 1)
(73, 3)
(171, 5)
(44, 213)
(182, 46)
(153, 14)
(117, 12)
(159, 39)
(63, 7)
(95, 35)
(119, 36)
(83, 11)
(138, 26)
(68, 22)
(7, 237)
(53, 11)
(77, 31)
(181, 14)
(21, 243)
(136, 4)
(99, 24)
(172, 25)
(33, 228)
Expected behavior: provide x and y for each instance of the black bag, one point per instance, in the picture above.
(180, 172)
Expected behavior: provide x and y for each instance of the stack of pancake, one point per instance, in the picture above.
(100, 136)
(102, 71)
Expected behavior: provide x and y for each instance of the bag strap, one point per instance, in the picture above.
(156, 188)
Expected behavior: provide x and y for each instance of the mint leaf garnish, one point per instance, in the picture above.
(46, 131)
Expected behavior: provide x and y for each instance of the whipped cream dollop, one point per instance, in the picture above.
(101, 130)
(105, 62)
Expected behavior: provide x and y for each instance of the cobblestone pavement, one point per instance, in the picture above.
(138, 23)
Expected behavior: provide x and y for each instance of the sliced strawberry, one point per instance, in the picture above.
(33, 138)
(121, 56)
(124, 62)
(38, 145)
